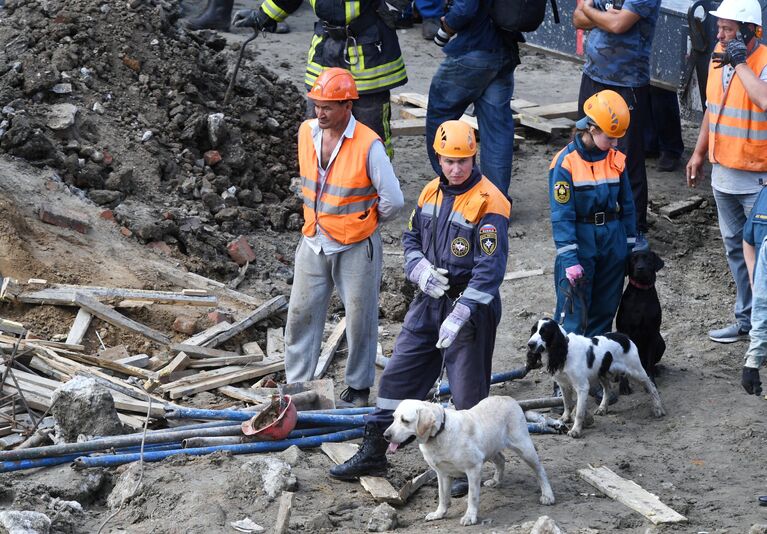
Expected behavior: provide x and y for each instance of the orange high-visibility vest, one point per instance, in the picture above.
(737, 128)
(347, 205)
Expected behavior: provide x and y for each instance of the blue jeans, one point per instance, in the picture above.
(757, 350)
(486, 79)
(732, 211)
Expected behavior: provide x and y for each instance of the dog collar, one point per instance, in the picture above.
(442, 424)
(638, 285)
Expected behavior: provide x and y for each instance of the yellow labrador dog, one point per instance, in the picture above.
(458, 442)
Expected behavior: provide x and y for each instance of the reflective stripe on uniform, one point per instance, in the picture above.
(727, 111)
(345, 209)
(352, 10)
(387, 404)
(566, 248)
(477, 296)
(274, 11)
(740, 133)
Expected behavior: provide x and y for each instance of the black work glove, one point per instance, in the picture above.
(391, 11)
(253, 18)
(734, 54)
(750, 381)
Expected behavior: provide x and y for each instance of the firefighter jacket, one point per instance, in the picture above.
(349, 34)
(345, 204)
(737, 128)
(471, 238)
(590, 198)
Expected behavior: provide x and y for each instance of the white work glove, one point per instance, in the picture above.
(432, 280)
(452, 325)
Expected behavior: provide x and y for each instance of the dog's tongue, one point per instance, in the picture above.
(392, 448)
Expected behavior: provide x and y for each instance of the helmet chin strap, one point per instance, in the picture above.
(747, 32)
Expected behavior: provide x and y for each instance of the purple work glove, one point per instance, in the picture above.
(430, 279)
(574, 273)
(452, 325)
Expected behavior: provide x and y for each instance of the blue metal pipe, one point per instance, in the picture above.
(305, 418)
(245, 448)
(343, 411)
(495, 378)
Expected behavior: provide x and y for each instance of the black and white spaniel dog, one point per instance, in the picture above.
(578, 362)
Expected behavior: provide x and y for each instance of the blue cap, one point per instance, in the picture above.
(583, 123)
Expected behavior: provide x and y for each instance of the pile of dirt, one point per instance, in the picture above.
(126, 105)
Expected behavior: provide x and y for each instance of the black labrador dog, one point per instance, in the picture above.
(639, 314)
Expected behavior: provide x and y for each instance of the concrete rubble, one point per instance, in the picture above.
(84, 408)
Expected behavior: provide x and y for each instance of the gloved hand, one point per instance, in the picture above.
(750, 381)
(452, 325)
(430, 279)
(443, 34)
(734, 54)
(253, 18)
(574, 273)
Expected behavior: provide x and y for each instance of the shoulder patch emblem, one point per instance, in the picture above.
(488, 239)
(562, 192)
(410, 220)
(459, 247)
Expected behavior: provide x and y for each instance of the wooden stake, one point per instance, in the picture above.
(330, 348)
(283, 514)
(108, 314)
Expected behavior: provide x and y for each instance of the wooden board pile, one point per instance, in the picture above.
(31, 369)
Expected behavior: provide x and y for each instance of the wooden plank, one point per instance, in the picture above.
(414, 484)
(108, 364)
(548, 126)
(182, 278)
(201, 352)
(681, 206)
(179, 363)
(249, 373)
(415, 99)
(283, 513)
(516, 275)
(198, 377)
(254, 348)
(378, 487)
(518, 104)
(408, 127)
(237, 359)
(412, 113)
(118, 352)
(330, 348)
(137, 360)
(243, 394)
(64, 294)
(105, 313)
(56, 345)
(267, 309)
(12, 327)
(206, 335)
(631, 494)
(275, 342)
(567, 110)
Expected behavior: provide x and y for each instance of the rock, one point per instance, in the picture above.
(219, 316)
(211, 157)
(213, 201)
(247, 525)
(545, 525)
(146, 136)
(107, 215)
(98, 108)
(64, 218)
(272, 125)
(161, 247)
(226, 214)
(276, 475)
(125, 487)
(185, 325)
(120, 181)
(240, 251)
(62, 88)
(125, 232)
(319, 523)
(89, 176)
(383, 518)
(291, 455)
(216, 129)
(83, 407)
(18, 522)
(103, 197)
(758, 528)
(295, 221)
(62, 116)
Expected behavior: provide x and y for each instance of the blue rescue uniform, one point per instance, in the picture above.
(755, 229)
(592, 219)
(471, 242)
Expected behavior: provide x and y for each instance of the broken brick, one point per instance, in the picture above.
(161, 247)
(185, 324)
(107, 215)
(108, 159)
(218, 316)
(126, 232)
(211, 157)
(132, 64)
(64, 218)
(240, 251)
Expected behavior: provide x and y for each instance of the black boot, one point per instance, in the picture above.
(217, 15)
(371, 456)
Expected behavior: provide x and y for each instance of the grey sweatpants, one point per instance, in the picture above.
(356, 273)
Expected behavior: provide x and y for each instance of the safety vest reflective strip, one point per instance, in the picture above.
(352, 10)
(737, 126)
(346, 208)
(366, 79)
(274, 11)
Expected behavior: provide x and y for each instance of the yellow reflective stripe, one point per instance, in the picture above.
(352, 10)
(274, 11)
(383, 81)
(356, 60)
(311, 2)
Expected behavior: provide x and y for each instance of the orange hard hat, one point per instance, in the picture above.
(455, 139)
(607, 110)
(334, 84)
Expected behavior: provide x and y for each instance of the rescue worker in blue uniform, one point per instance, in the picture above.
(456, 246)
(358, 36)
(592, 217)
(754, 232)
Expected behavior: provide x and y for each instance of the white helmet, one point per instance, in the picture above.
(740, 11)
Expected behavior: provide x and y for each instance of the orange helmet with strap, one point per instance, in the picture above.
(334, 84)
(455, 139)
(607, 110)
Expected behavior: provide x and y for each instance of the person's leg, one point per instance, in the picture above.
(632, 145)
(732, 214)
(309, 296)
(496, 127)
(357, 275)
(430, 9)
(668, 125)
(459, 81)
(374, 111)
(607, 287)
(574, 301)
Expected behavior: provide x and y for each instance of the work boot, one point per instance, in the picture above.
(459, 487)
(369, 459)
(429, 28)
(728, 334)
(667, 162)
(354, 398)
(216, 16)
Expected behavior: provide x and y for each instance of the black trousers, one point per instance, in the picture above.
(631, 144)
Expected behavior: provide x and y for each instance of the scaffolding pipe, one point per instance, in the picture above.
(305, 418)
(246, 448)
(195, 442)
(496, 378)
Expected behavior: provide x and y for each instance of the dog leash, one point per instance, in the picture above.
(571, 291)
